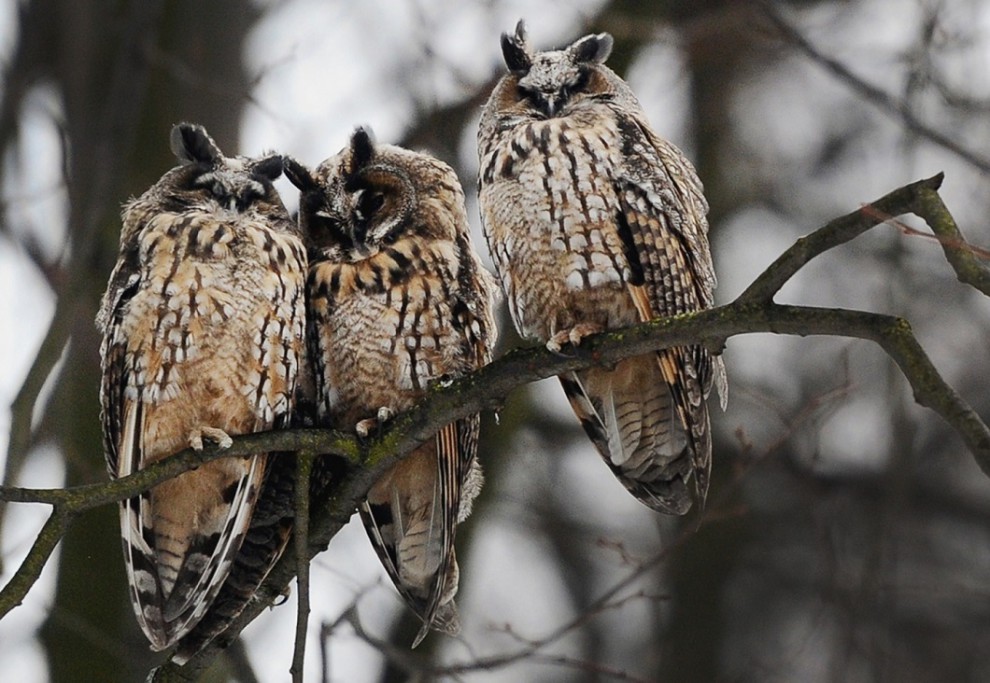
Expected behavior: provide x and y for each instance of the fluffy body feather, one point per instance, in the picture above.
(594, 223)
(398, 299)
(203, 324)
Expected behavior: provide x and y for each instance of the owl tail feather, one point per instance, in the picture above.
(629, 413)
(445, 620)
(263, 544)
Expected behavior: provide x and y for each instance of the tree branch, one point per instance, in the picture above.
(869, 92)
(301, 545)
(366, 460)
(970, 269)
(27, 574)
(908, 199)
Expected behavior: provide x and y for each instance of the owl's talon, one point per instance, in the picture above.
(555, 349)
(215, 434)
(573, 336)
(366, 426)
(282, 597)
(577, 333)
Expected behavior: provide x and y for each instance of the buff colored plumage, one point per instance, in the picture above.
(398, 299)
(595, 222)
(203, 324)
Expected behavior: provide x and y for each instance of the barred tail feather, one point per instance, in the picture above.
(264, 543)
(174, 568)
(631, 415)
(411, 515)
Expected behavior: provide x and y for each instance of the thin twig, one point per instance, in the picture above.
(301, 543)
(753, 312)
(29, 571)
(953, 242)
(969, 265)
(90, 199)
(529, 648)
(835, 232)
(868, 92)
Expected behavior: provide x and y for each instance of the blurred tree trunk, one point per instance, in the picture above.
(126, 71)
(718, 48)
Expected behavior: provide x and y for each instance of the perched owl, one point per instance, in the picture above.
(594, 222)
(203, 329)
(398, 299)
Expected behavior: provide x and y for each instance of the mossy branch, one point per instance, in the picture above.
(753, 312)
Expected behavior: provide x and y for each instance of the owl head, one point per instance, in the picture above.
(207, 179)
(234, 183)
(553, 83)
(369, 195)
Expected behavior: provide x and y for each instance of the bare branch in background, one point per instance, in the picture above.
(91, 198)
(837, 502)
(876, 96)
(611, 599)
(754, 311)
(300, 534)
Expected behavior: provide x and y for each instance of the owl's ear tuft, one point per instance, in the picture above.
(515, 51)
(299, 175)
(268, 167)
(593, 49)
(362, 148)
(190, 143)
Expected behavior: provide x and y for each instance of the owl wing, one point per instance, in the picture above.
(167, 615)
(123, 420)
(664, 212)
(415, 542)
(647, 415)
(411, 515)
(664, 231)
(122, 436)
(264, 543)
(124, 283)
(170, 591)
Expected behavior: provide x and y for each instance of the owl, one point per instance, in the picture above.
(594, 222)
(398, 299)
(203, 326)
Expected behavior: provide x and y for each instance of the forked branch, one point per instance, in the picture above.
(365, 460)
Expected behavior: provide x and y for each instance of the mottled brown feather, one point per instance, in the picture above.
(398, 300)
(203, 323)
(595, 222)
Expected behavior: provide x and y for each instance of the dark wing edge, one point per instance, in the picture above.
(125, 281)
(122, 426)
(690, 224)
(433, 612)
(663, 217)
(263, 544)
